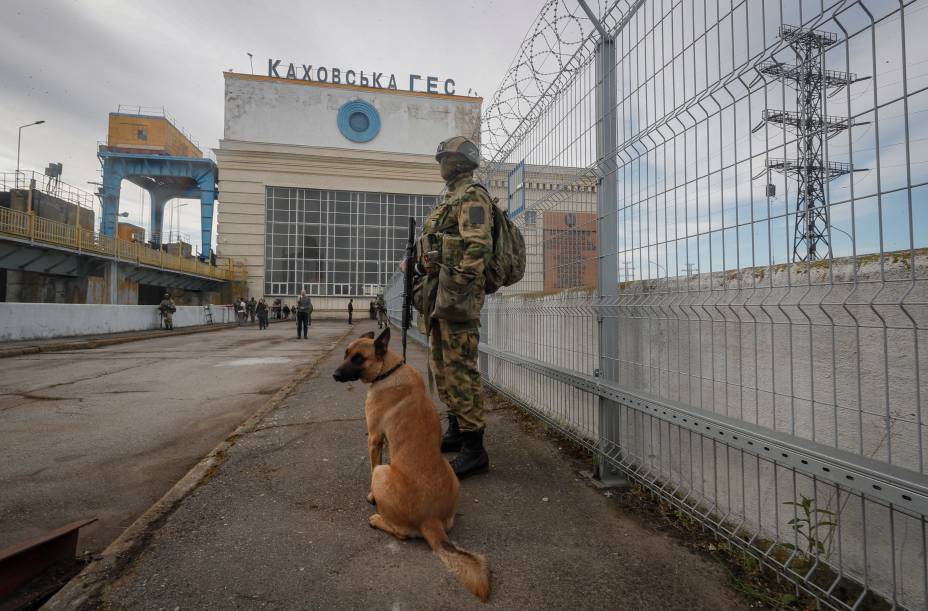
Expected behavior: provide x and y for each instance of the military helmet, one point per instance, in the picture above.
(460, 145)
(167, 295)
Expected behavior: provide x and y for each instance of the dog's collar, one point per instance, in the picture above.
(383, 376)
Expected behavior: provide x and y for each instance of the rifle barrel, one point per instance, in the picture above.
(407, 280)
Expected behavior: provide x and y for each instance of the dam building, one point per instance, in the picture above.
(317, 181)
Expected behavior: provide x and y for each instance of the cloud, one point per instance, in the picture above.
(71, 63)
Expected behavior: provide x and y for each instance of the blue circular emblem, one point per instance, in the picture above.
(358, 121)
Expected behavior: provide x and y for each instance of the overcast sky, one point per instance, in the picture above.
(71, 62)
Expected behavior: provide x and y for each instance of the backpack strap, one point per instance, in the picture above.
(450, 219)
(482, 187)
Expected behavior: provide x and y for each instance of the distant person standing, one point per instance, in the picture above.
(242, 312)
(286, 310)
(381, 311)
(304, 309)
(350, 310)
(167, 309)
(261, 313)
(252, 307)
(373, 311)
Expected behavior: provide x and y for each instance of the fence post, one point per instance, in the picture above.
(607, 276)
(29, 208)
(77, 228)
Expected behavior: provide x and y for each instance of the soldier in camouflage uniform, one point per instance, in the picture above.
(167, 309)
(381, 306)
(452, 253)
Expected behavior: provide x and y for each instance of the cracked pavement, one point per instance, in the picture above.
(106, 432)
(282, 523)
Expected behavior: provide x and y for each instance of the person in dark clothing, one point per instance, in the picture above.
(286, 312)
(261, 313)
(304, 309)
(373, 311)
(350, 310)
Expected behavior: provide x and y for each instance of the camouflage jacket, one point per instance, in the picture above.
(460, 228)
(167, 306)
(465, 213)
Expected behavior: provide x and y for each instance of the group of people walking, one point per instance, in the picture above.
(248, 310)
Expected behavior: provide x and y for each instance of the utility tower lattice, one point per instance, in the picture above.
(808, 76)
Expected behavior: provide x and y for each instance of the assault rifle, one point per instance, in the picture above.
(410, 265)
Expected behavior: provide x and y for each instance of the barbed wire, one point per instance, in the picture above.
(558, 44)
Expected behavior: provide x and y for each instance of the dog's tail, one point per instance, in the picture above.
(470, 568)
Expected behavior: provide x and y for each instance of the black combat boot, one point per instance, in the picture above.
(452, 439)
(473, 458)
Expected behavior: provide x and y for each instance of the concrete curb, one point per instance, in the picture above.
(99, 342)
(82, 591)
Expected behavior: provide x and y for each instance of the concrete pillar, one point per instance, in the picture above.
(14, 285)
(111, 277)
(207, 185)
(158, 201)
(112, 179)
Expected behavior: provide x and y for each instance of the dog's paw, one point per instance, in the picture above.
(370, 498)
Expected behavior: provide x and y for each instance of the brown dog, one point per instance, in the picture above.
(417, 493)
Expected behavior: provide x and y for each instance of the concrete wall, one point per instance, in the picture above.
(262, 109)
(46, 288)
(50, 207)
(825, 353)
(24, 321)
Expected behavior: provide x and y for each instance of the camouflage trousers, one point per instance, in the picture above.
(453, 360)
(168, 320)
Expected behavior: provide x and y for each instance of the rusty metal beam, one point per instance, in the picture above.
(21, 563)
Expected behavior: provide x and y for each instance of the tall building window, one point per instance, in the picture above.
(336, 242)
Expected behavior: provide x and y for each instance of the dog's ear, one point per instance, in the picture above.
(368, 335)
(380, 344)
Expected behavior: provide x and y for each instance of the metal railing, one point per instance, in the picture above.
(668, 321)
(56, 188)
(26, 226)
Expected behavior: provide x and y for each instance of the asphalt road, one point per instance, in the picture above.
(105, 433)
(283, 524)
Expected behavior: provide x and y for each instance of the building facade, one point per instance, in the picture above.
(317, 181)
(554, 208)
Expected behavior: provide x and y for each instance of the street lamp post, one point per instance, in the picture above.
(19, 142)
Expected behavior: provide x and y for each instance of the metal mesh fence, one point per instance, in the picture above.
(725, 206)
